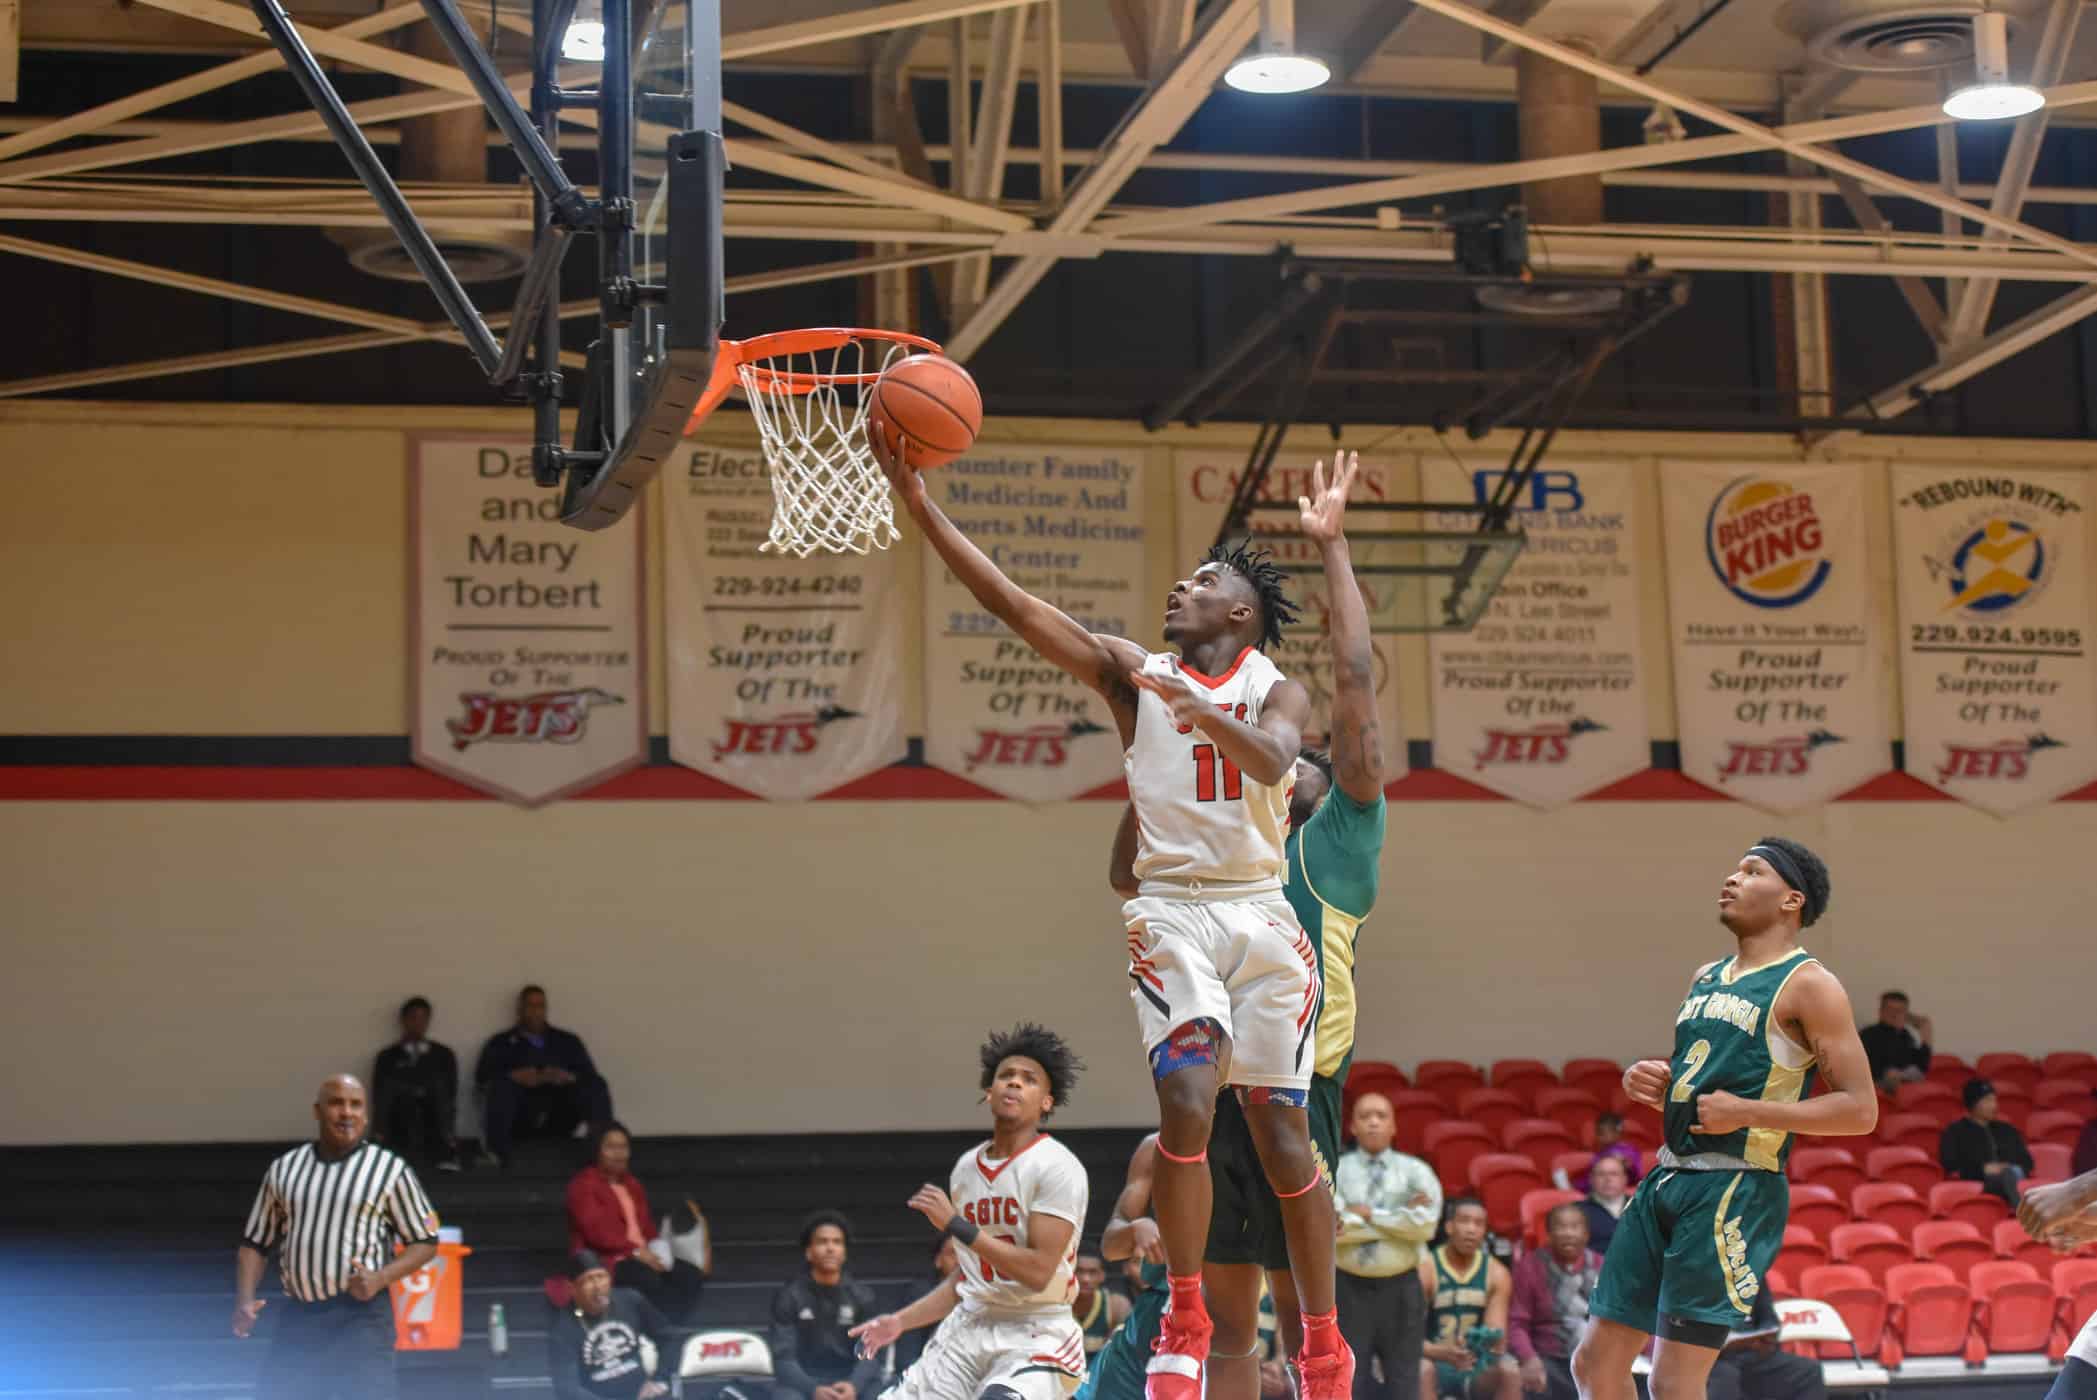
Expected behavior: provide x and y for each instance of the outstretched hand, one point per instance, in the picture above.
(1323, 512)
(1187, 704)
(934, 1204)
(886, 445)
(876, 1333)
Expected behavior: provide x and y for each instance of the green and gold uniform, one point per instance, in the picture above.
(1332, 886)
(1459, 1305)
(1693, 1244)
(1116, 1371)
(1094, 1325)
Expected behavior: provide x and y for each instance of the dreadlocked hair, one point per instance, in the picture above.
(1041, 1045)
(1318, 759)
(1257, 567)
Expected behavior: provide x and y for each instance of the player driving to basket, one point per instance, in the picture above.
(1013, 1207)
(1224, 980)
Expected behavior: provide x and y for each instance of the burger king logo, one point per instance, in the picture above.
(1765, 542)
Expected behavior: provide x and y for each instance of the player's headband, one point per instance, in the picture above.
(1788, 871)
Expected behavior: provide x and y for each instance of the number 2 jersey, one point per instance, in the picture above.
(1197, 816)
(998, 1195)
(1727, 1037)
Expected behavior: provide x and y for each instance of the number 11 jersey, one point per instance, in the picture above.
(1197, 816)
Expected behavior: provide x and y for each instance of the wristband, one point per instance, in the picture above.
(962, 1231)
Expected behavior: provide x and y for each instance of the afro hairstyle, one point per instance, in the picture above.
(1041, 1045)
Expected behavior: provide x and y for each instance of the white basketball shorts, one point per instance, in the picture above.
(1245, 964)
(1038, 1356)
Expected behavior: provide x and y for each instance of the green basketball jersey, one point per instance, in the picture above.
(1093, 1322)
(1459, 1299)
(1726, 1038)
(1332, 886)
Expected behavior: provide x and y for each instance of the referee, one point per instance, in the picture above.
(333, 1208)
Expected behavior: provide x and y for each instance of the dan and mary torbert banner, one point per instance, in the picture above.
(1544, 699)
(1995, 620)
(527, 634)
(1777, 658)
(785, 674)
(1205, 482)
(1066, 523)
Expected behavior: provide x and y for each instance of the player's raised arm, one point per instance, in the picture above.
(1102, 663)
(1121, 861)
(1132, 1232)
(1814, 1001)
(1357, 743)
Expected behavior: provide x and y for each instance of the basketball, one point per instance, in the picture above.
(932, 407)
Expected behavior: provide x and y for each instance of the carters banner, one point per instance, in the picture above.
(1999, 702)
(1203, 484)
(785, 674)
(1777, 657)
(1544, 699)
(1066, 523)
(528, 679)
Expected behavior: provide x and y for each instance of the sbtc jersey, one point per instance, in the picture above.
(1197, 816)
(998, 1196)
(1727, 1037)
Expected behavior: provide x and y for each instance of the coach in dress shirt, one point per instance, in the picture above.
(333, 1209)
(1388, 1205)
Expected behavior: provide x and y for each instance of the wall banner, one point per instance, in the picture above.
(1544, 699)
(1204, 481)
(1998, 696)
(1777, 656)
(528, 676)
(785, 674)
(1067, 524)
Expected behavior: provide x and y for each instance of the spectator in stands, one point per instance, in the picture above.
(608, 1214)
(593, 1348)
(1097, 1308)
(813, 1358)
(1608, 1192)
(539, 1081)
(415, 1092)
(1898, 1046)
(911, 1345)
(1981, 1147)
(1552, 1287)
(1388, 1205)
(1753, 1367)
(1609, 1142)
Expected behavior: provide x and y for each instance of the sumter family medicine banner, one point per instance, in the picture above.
(527, 634)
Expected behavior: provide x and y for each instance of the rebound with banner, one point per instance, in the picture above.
(1066, 524)
(1204, 483)
(528, 679)
(1543, 700)
(785, 674)
(1777, 654)
(1999, 701)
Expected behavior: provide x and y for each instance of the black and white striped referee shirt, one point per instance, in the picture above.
(328, 1216)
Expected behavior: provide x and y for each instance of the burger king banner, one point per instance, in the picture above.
(1999, 704)
(1777, 654)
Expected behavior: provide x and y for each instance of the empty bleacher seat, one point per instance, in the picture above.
(2013, 1306)
(1955, 1244)
(1540, 1139)
(1447, 1079)
(1833, 1167)
(1413, 1111)
(1910, 1166)
(1801, 1250)
(2009, 1067)
(1857, 1296)
(1892, 1203)
(1869, 1246)
(1501, 1180)
(1451, 1145)
(1943, 1106)
(2075, 1284)
(1814, 1326)
(1602, 1078)
(1918, 1130)
(1932, 1312)
(1817, 1208)
(1492, 1109)
(1965, 1200)
(2050, 1159)
(2054, 1125)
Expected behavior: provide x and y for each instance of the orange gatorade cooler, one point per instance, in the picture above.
(429, 1304)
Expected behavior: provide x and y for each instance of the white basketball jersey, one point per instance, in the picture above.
(1044, 1177)
(1197, 816)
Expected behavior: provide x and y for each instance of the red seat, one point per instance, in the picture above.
(1451, 1145)
(2013, 1306)
(2051, 1159)
(1954, 1244)
(1870, 1246)
(1575, 1110)
(1573, 1164)
(1949, 1070)
(1382, 1069)
(1857, 1297)
(1501, 1179)
(1539, 1139)
(2054, 1125)
(1525, 1079)
(1892, 1203)
(2075, 1283)
(2066, 1064)
(1910, 1130)
(1535, 1205)
(1833, 1167)
(1779, 1283)
(1602, 1078)
(1941, 1105)
(1801, 1251)
(1964, 1200)
(1818, 1209)
(2008, 1067)
(2013, 1106)
(1492, 1109)
(1447, 1080)
(1910, 1166)
(1413, 1111)
(1932, 1311)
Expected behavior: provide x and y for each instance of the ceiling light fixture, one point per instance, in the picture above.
(1991, 96)
(1274, 66)
(584, 41)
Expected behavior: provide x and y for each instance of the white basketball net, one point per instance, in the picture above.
(828, 493)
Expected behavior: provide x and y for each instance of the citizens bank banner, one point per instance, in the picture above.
(1777, 658)
(1999, 704)
(1544, 700)
(528, 679)
(1066, 524)
(785, 673)
(1203, 485)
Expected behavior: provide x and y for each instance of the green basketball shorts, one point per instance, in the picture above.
(1692, 1248)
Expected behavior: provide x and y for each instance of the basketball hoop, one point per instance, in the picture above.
(828, 492)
